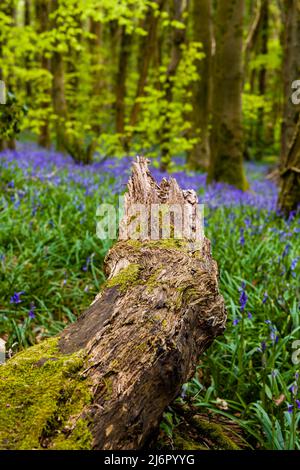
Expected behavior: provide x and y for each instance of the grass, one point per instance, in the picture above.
(50, 254)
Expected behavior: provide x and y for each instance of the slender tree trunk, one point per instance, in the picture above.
(58, 89)
(124, 52)
(27, 22)
(262, 76)
(226, 162)
(42, 18)
(146, 53)
(9, 9)
(291, 72)
(178, 39)
(289, 196)
(202, 32)
(2, 141)
(95, 50)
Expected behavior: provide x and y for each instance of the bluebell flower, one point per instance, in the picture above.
(31, 313)
(235, 321)
(290, 408)
(242, 238)
(265, 297)
(292, 215)
(86, 266)
(294, 263)
(293, 389)
(16, 298)
(286, 250)
(243, 297)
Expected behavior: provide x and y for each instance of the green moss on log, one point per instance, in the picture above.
(164, 243)
(125, 278)
(41, 393)
(215, 433)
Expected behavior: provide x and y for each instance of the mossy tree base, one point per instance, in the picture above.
(106, 380)
(201, 431)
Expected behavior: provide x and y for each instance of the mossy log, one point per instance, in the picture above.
(105, 381)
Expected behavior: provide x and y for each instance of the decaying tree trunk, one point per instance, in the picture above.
(105, 381)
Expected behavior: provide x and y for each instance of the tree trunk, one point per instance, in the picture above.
(178, 39)
(96, 66)
(291, 72)
(262, 76)
(105, 381)
(289, 196)
(146, 53)
(202, 25)
(226, 162)
(27, 22)
(124, 52)
(42, 14)
(58, 89)
(2, 141)
(9, 10)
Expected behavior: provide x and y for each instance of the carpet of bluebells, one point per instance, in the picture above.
(51, 268)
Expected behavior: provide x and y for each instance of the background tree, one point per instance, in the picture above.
(202, 33)
(226, 162)
(290, 73)
(289, 196)
(58, 78)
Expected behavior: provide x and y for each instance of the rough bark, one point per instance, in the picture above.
(202, 32)
(291, 72)
(128, 355)
(289, 196)
(226, 162)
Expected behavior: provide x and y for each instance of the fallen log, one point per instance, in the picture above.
(105, 381)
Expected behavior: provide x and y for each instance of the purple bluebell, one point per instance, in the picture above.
(242, 238)
(290, 408)
(16, 298)
(263, 346)
(265, 298)
(31, 313)
(243, 298)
